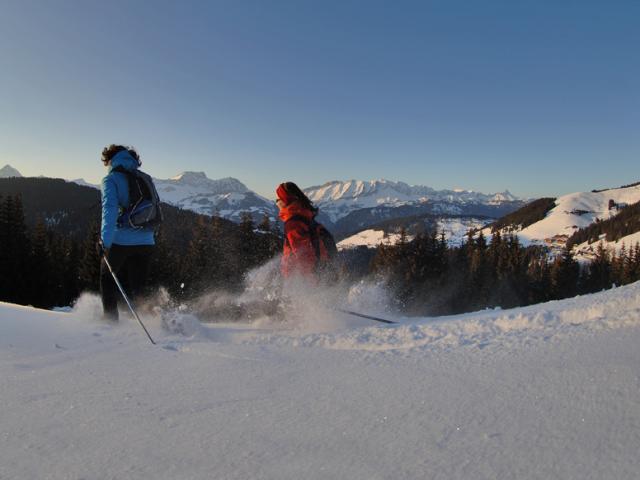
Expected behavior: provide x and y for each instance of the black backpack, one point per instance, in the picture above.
(319, 233)
(144, 209)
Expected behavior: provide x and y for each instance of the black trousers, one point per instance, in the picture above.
(131, 265)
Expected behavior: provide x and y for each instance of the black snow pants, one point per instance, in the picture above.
(131, 265)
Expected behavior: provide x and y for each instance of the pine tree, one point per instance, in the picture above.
(265, 224)
(618, 262)
(599, 271)
(14, 254)
(565, 275)
(199, 261)
(246, 252)
(89, 265)
(267, 242)
(633, 268)
(163, 269)
(67, 254)
(40, 284)
(538, 280)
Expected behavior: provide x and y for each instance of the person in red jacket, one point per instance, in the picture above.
(308, 246)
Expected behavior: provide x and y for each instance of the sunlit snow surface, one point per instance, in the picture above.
(548, 391)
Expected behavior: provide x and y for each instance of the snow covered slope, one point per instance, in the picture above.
(455, 230)
(8, 171)
(575, 211)
(587, 251)
(338, 199)
(578, 210)
(549, 391)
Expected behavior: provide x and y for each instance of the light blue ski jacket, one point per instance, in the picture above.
(115, 196)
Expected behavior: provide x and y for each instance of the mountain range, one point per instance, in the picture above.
(371, 212)
(227, 197)
(346, 207)
(352, 206)
(338, 199)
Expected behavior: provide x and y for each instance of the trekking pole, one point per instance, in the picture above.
(126, 299)
(362, 315)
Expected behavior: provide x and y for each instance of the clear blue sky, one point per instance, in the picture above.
(538, 96)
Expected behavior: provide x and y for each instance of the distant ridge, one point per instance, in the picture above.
(338, 199)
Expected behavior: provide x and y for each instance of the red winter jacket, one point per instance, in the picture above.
(299, 254)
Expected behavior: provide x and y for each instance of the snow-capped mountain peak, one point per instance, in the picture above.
(190, 177)
(8, 171)
(338, 199)
(505, 196)
(227, 197)
(200, 180)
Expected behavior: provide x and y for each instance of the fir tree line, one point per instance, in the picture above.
(427, 277)
(626, 222)
(41, 266)
(194, 254)
(528, 215)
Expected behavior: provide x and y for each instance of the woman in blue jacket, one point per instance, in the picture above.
(128, 249)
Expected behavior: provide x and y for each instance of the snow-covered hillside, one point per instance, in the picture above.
(337, 199)
(575, 211)
(548, 391)
(587, 251)
(8, 171)
(455, 230)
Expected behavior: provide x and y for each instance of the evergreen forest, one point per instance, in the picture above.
(43, 265)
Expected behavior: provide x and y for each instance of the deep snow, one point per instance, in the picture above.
(548, 391)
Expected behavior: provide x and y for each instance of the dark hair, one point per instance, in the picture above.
(293, 190)
(109, 152)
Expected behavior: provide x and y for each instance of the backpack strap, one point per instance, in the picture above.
(135, 194)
